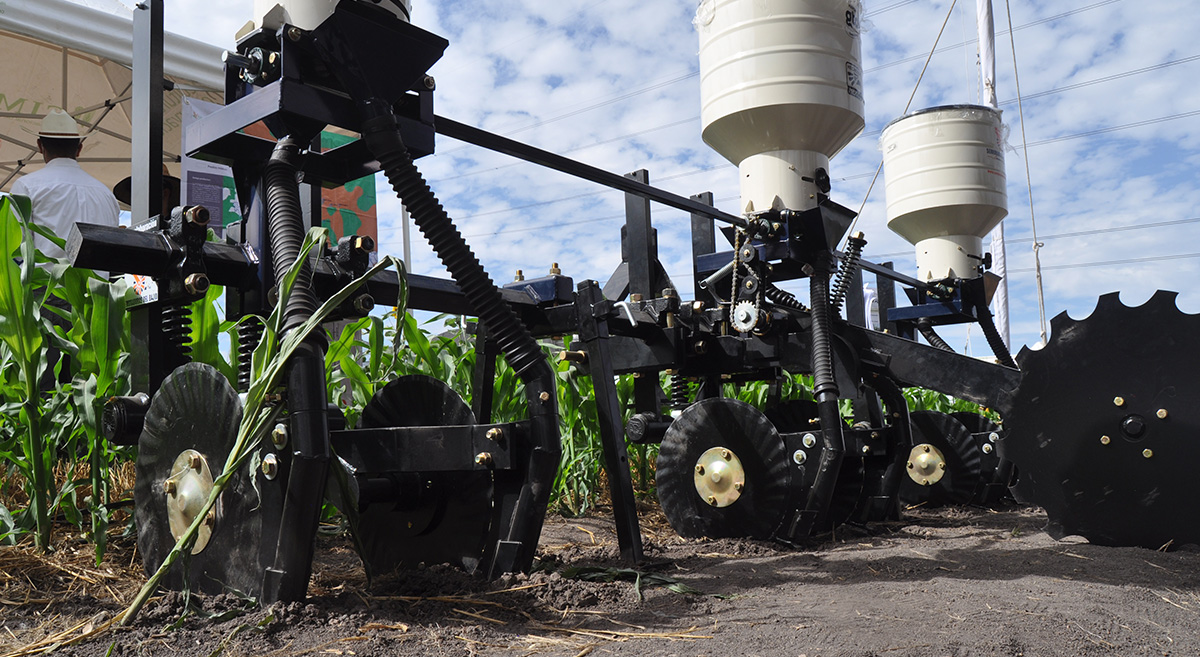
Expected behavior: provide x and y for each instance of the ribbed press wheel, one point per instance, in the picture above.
(696, 447)
(190, 428)
(944, 466)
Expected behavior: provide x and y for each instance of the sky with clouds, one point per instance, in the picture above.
(1111, 134)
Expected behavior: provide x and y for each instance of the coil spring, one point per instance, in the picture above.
(782, 297)
(250, 332)
(681, 392)
(845, 275)
(177, 326)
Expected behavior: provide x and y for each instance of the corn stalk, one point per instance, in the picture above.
(269, 363)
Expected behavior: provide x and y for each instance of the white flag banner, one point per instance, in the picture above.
(987, 74)
(987, 50)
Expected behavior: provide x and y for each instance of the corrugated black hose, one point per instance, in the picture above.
(925, 326)
(825, 392)
(286, 230)
(521, 504)
(992, 334)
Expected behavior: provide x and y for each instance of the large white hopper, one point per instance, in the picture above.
(945, 185)
(781, 91)
(307, 14)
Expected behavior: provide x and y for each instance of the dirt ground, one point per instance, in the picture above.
(943, 582)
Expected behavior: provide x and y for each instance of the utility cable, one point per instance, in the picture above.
(1037, 246)
(911, 96)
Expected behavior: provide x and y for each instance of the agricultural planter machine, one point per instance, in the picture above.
(1093, 425)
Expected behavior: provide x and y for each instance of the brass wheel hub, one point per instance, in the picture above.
(719, 477)
(926, 464)
(186, 490)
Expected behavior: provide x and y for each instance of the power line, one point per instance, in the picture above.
(1079, 233)
(1109, 263)
(1101, 131)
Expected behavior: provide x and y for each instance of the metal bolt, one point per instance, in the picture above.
(1147, 453)
(270, 466)
(495, 433)
(364, 303)
(697, 306)
(993, 437)
(484, 459)
(196, 214)
(279, 436)
(1118, 401)
(573, 356)
(987, 448)
(942, 465)
(169, 487)
(364, 243)
(1104, 440)
(924, 482)
(195, 462)
(700, 470)
(874, 434)
(196, 284)
(799, 457)
(726, 454)
(211, 518)
(926, 449)
(866, 449)
(294, 33)
(1161, 413)
(911, 466)
(712, 499)
(809, 440)
(635, 297)
(700, 347)
(520, 276)
(738, 486)
(544, 396)
(554, 269)
(429, 82)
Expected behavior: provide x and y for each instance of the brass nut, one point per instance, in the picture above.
(712, 500)
(495, 433)
(866, 449)
(554, 270)
(1162, 414)
(700, 470)
(279, 436)
(270, 466)
(169, 487)
(738, 486)
(195, 461)
(910, 465)
(799, 457)
(1104, 440)
(211, 518)
(927, 449)
(942, 465)
(1118, 401)
(520, 276)
(484, 459)
(544, 396)
(196, 284)
(294, 33)
(197, 214)
(726, 454)
(1147, 453)
(987, 448)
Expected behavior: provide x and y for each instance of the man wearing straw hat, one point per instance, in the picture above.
(62, 192)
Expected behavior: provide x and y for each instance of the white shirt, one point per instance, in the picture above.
(63, 194)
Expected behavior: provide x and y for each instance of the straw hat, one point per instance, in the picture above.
(59, 125)
(124, 189)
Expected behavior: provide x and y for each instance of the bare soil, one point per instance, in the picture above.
(951, 582)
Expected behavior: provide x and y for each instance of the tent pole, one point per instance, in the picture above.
(146, 157)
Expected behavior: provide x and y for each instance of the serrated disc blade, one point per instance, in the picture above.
(441, 517)
(746, 432)
(196, 408)
(990, 462)
(1103, 427)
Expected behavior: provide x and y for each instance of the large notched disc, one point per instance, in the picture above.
(442, 517)
(990, 463)
(1103, 429)
(196, 409)
(721, 423)
(797, 415)
(961, 476)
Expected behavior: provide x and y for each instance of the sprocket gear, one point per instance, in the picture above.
(744, 316)
(1103, 427)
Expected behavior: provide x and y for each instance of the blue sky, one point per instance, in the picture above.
(1112, 118)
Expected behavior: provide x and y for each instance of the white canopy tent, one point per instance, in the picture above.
(59, 53)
